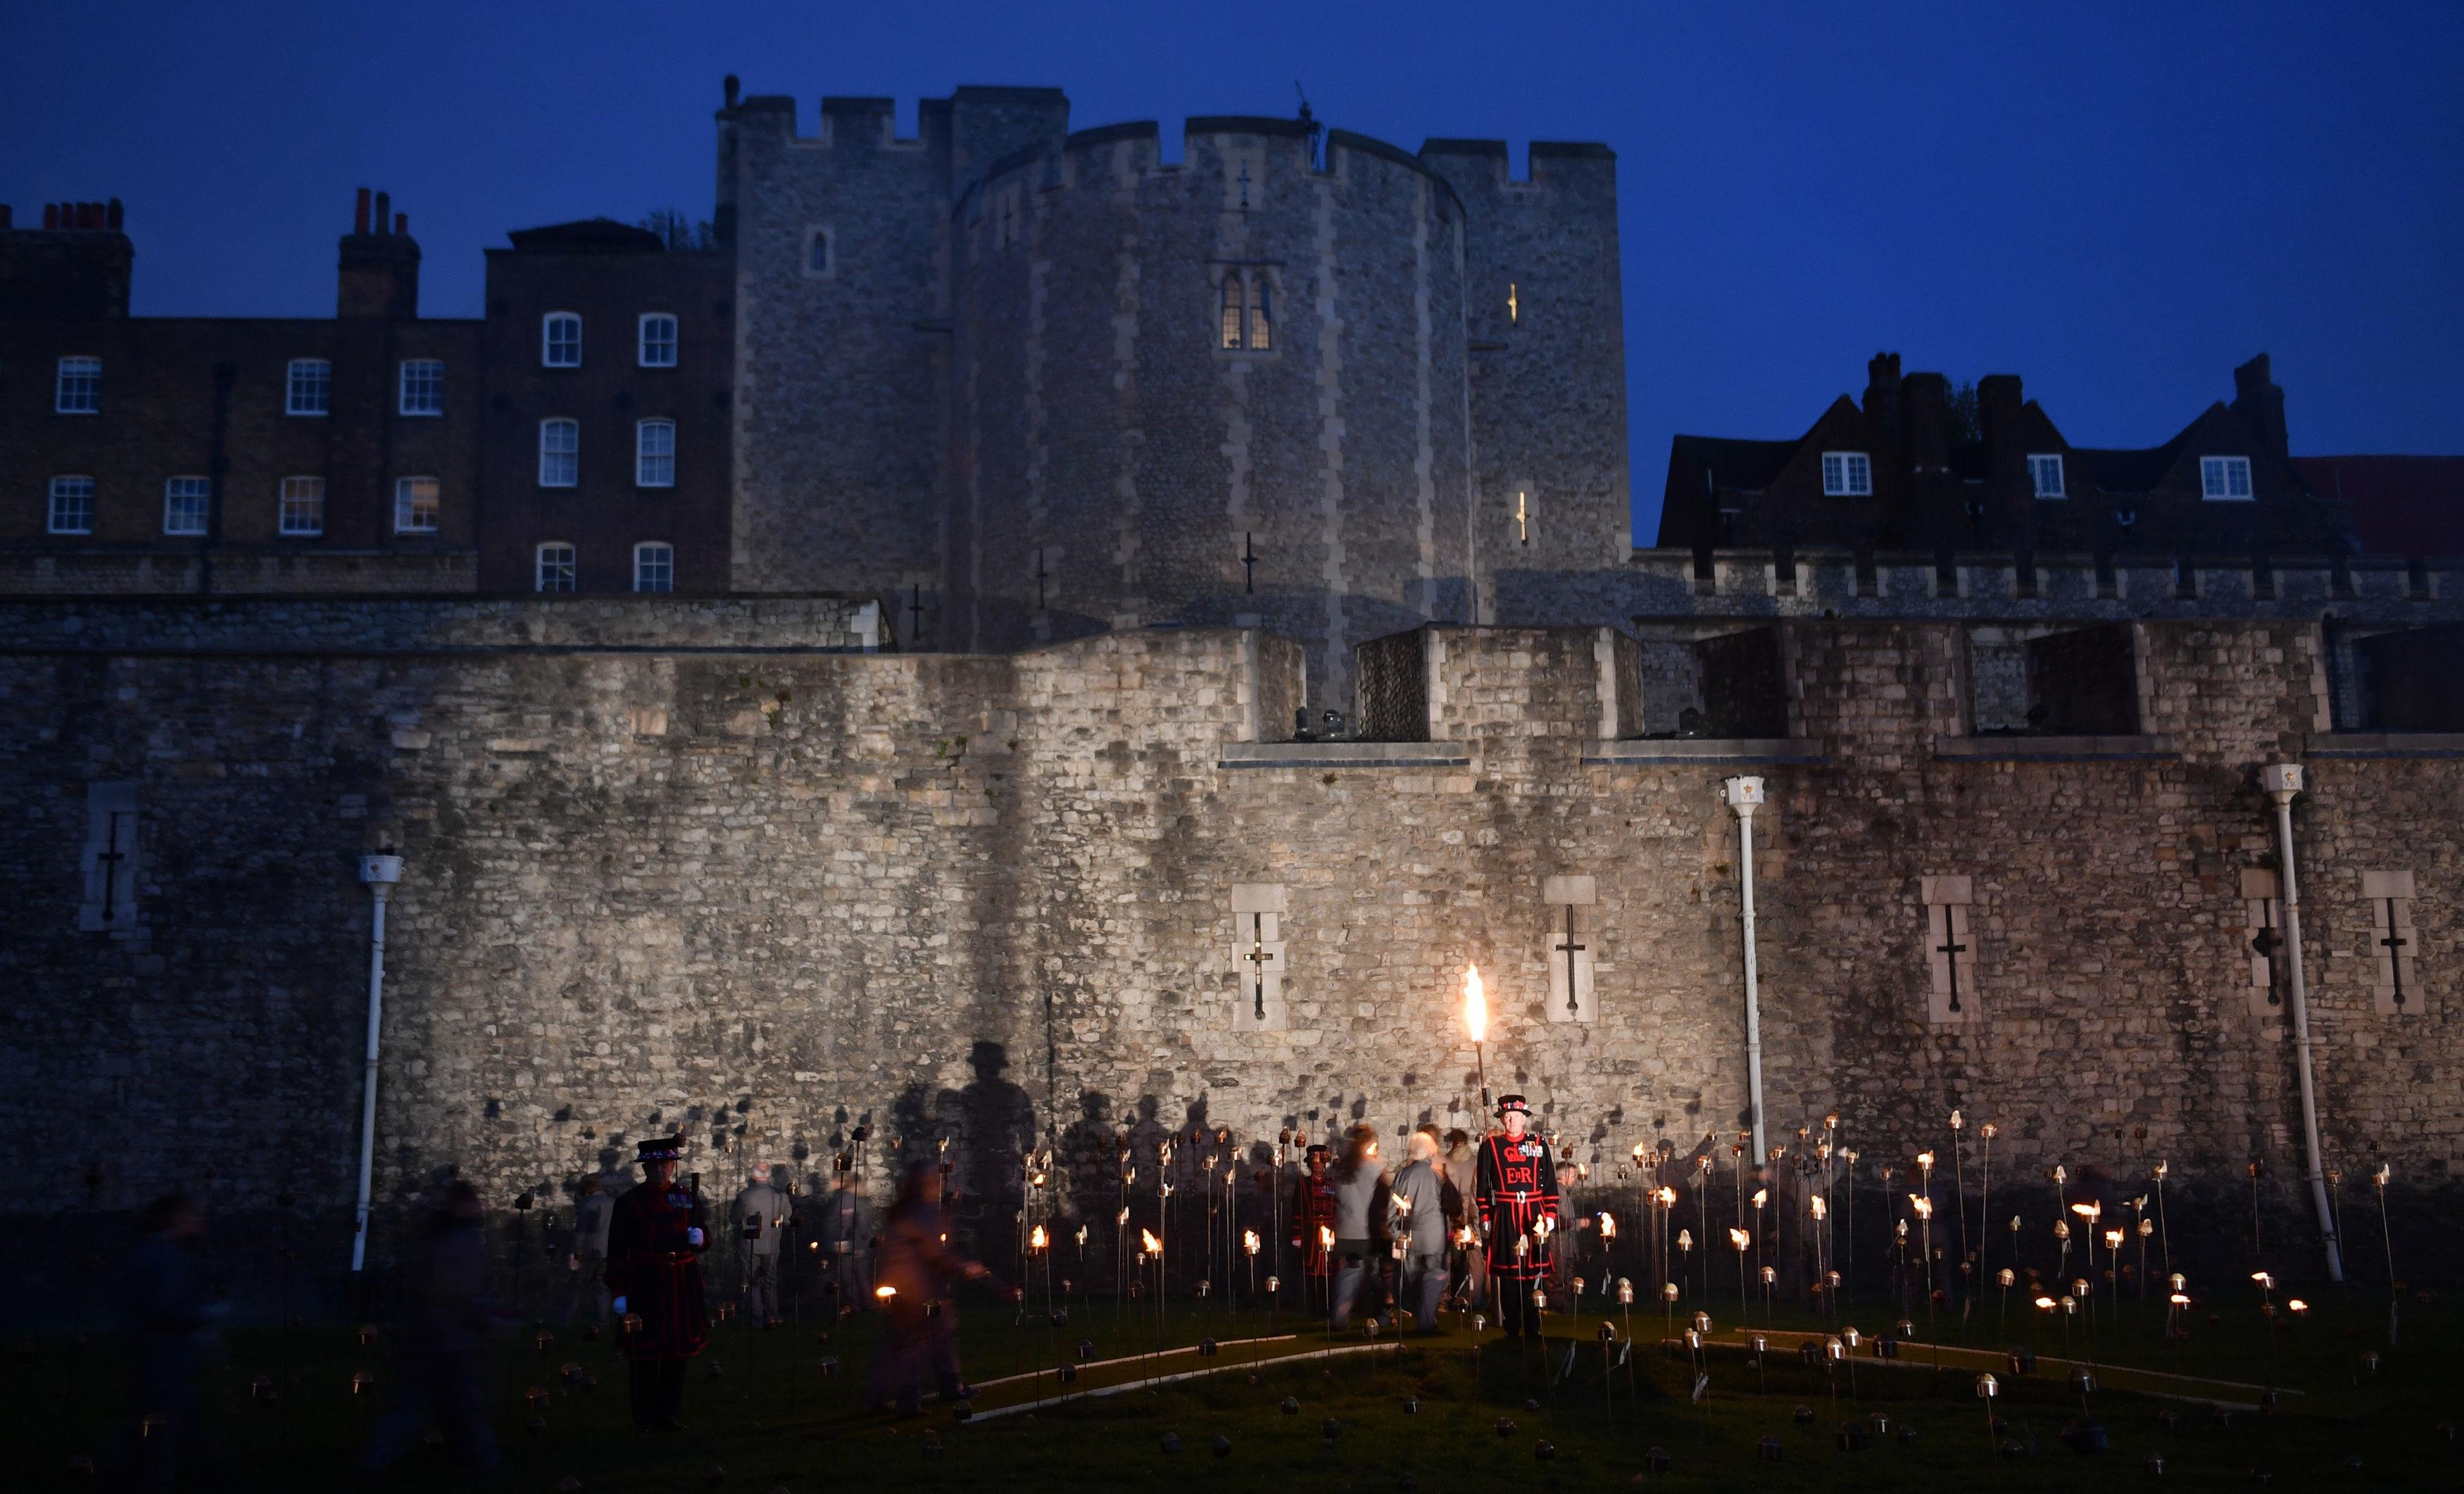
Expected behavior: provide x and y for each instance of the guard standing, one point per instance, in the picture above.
(1313, 1227)
(762, 1212)
(845, 1232)
(1515, 1191)
(655, 1237)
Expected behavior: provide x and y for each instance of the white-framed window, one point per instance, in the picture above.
(2045, 472)
(71, 511)
(654, 566)
(654, 453)
(303, 506)
(1847, 474)
(561, 340)
(553, 566)
(1245, 312)
(423, 386)
(819, 261)
(185, 502)
(657, 343)
(560, 453)
(414, 505)
(2225, 479)
(78, 389)
(310, 388)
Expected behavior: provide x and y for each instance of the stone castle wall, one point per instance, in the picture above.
(757, 895)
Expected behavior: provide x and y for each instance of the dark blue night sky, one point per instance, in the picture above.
(2118, 201)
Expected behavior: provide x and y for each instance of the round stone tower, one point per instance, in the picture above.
(1228, 391)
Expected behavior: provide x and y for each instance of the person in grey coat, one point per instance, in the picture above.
(587, 1262)
(1419, 1223)
(1359, 1226)
(843, 1228)
(763, 1210)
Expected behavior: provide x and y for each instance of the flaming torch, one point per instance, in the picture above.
(1476, 1023)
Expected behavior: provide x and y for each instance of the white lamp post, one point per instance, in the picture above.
(2283, 781)
(380, 872)
(1745, 795)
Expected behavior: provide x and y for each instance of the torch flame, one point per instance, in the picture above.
(1739, 1239)
(1325, 1237)
(1037, 1240)
(885, 1293)
(1607, 1225)
(1819, 1208)
(1668, 1198)
(1148, 1242)
(1249, 1240)
(1475, 1005)
(1762, 1196)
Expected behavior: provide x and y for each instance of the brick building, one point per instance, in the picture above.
(230, 454)
(1905, 471)
(605, 453)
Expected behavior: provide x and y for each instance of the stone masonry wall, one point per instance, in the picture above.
(756, 895)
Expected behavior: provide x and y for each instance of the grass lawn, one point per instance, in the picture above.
(763, 1414)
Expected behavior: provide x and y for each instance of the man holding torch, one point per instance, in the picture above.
(1516, 1188)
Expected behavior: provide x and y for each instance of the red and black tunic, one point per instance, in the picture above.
(1313, 1208)
(653, 1263)
(1516, 1186)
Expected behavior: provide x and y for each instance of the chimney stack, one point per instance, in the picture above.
(378, 273)
(1927, 400)
(7, 216)
(2260, 404)
(51, 215)
(1882, 395)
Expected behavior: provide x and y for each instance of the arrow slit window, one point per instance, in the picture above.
(2396, 981)
(1257, 957)
(1951, 951)
(1572, 902)
(2263, 941)
(109, 862)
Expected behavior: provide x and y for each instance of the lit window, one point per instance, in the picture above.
(658, 341)
(654, 453)
(80, 389)
(560, 453)
(72, 506)
(1246, 320)
(423, 386)
(185, 504)
(414, 505)
(1847, 474)
(2046, 472)
(561, 342)
(303, 506)
(2225, 478)
(555, 567)
(309, 389)
(654, 566)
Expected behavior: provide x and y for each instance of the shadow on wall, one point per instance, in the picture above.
(981, 1136)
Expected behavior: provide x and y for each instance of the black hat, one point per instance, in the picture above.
(665, 1149)
(1513, 1105)
(1319, 1150)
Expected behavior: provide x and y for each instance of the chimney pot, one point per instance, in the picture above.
(401, 224)
(112, 214)
(385, 210)
(51, 215)
(733, 87)
(360, 213)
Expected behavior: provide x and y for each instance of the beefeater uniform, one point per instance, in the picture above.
(655, 1237)
(1515, 1187)
(1312, 1224)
